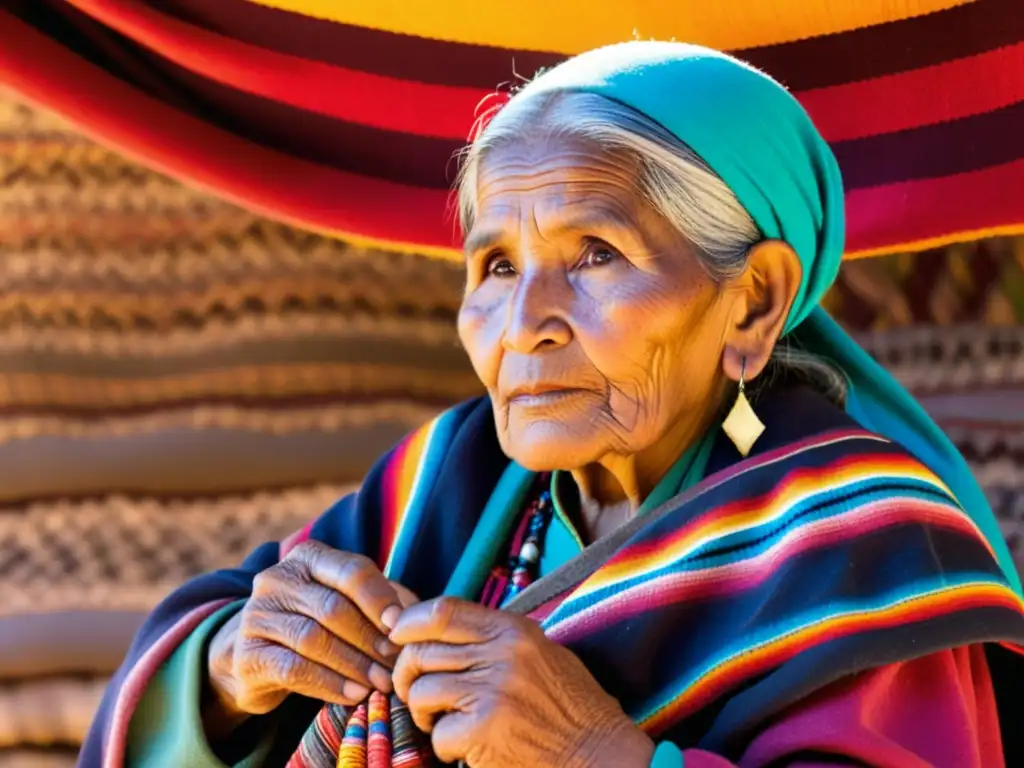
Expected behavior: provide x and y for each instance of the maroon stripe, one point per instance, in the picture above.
(944, 149)
(404, 158)
(421, 161)
(844, 57)
(883, 49)
(930, 151)
(406, 57)
(91, 40)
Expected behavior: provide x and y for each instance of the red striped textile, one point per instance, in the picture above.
(352, 129)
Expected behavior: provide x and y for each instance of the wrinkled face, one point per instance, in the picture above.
(586, 315)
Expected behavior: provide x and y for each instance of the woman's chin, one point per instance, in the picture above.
(544, 446)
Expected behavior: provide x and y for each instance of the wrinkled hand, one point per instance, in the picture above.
(316, 624)
(492, 690)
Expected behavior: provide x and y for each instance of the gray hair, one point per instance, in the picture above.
(673, 180)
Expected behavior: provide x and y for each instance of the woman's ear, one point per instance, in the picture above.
(765, 292)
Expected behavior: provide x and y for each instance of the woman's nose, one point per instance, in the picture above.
(536, 316)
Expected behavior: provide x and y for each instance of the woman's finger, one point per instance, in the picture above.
(405, 595)
(448, 620)
(355, 576)
(432, 695)
(264, 665)
(422, 659)
(310, 640)
(340, 616)
(453, 734)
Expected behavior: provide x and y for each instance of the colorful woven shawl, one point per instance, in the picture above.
(758, 556)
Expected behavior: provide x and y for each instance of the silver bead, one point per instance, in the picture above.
(530, 553)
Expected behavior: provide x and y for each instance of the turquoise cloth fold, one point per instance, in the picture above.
(755, 135)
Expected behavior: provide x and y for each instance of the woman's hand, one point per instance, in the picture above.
(492, 690)
(316, 624)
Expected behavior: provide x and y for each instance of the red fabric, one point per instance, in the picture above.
(352, 131)
(953, 207)
(362, 97)
(938, 711)
(183, 146)
(926, 96)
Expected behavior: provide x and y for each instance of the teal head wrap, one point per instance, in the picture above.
(755, 135)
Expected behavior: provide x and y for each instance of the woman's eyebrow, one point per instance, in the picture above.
(482, 240)
(589, 220)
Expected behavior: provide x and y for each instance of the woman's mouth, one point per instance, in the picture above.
(540, 397)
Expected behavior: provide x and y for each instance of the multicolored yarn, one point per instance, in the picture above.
(353, 747)
(410, 749)
(322, 741)
(393, 740)
(378, 733)
(378, 745)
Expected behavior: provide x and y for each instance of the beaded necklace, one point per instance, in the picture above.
(522, 565)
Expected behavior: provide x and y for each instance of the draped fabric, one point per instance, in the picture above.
(759, 556)
(345, 117)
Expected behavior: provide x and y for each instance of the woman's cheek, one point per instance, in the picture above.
(480, 327)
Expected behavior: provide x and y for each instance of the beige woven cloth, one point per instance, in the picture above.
(28, 758)
(44, 713)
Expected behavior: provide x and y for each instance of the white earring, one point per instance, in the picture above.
(742, 425)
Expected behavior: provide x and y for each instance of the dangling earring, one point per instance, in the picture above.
(742, 425)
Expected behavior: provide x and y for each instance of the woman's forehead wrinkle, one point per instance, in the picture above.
(543, 195)
(597, 208)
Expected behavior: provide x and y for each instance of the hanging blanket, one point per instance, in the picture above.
(344, 116)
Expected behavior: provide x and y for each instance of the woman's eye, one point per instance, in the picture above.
(598, 255)
(500, 266)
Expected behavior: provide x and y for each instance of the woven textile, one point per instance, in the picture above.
(48, 711)
(967, 283)
(181, 379)
(337, 115)
(122, 553)
(29, 758)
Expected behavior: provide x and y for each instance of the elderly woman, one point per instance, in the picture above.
(691, 522)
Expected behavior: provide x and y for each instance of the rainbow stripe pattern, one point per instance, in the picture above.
(741, 562)
(771, 579)
(408, 478)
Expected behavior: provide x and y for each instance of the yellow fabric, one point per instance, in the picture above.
(1010, 230)
(573, 26)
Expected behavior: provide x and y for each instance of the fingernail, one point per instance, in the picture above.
(381, 678)
(353, 691)
(390, 616)
(386, 648)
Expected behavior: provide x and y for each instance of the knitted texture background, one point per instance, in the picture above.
(181, 380)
